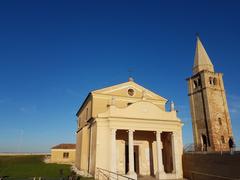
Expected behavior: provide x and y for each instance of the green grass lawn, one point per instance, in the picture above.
(30, 166)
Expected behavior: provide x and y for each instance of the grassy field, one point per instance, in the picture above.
(22, 167)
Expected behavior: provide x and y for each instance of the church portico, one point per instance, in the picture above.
(143, 150)
(149, 153)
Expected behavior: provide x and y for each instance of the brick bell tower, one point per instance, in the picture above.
(210, 116)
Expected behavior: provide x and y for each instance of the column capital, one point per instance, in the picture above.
(174, 133)
(113, 130)
(131, 130)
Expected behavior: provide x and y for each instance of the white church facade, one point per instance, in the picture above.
(125, 129)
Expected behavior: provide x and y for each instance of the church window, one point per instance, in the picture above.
(130, 92)
(65, 155)
(195, 84)
(220, 121)
(211, 80)
(199, 83)
(222, 139)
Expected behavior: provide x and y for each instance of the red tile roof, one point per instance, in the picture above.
(65, 146)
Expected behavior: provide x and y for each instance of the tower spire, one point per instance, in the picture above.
(201, 59)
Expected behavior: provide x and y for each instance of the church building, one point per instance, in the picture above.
(210, 116)
(126, 129)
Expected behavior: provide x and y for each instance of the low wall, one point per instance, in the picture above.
(211, 166)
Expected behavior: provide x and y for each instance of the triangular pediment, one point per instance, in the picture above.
(123, 90)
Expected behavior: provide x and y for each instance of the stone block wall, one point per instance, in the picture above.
(211, 166)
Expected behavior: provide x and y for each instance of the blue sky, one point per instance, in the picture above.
(52, 53)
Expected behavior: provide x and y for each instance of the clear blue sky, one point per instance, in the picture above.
(52, 53)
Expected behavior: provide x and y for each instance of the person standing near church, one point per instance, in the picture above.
(231, 145)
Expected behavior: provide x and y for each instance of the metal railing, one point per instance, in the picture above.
(189, 147)
(39, 178)
(103, 174)
(33, 178)
(195, 176)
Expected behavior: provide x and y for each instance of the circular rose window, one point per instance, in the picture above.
(130, 92)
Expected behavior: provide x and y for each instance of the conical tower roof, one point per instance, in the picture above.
(201, 59)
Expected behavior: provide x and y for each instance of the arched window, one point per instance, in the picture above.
(210, 80)
(199, 82)
(220, 121)
(222, 139)
(195, 84)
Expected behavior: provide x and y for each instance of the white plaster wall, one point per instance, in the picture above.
(103, 144)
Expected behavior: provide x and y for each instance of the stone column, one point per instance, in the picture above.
(131, 171)
(160, 169)
(174, 148)
(113, 162)
(178, 151)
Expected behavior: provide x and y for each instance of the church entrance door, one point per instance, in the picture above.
(136, 159)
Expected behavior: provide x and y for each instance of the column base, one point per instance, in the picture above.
(132, 175)
(161, 175)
